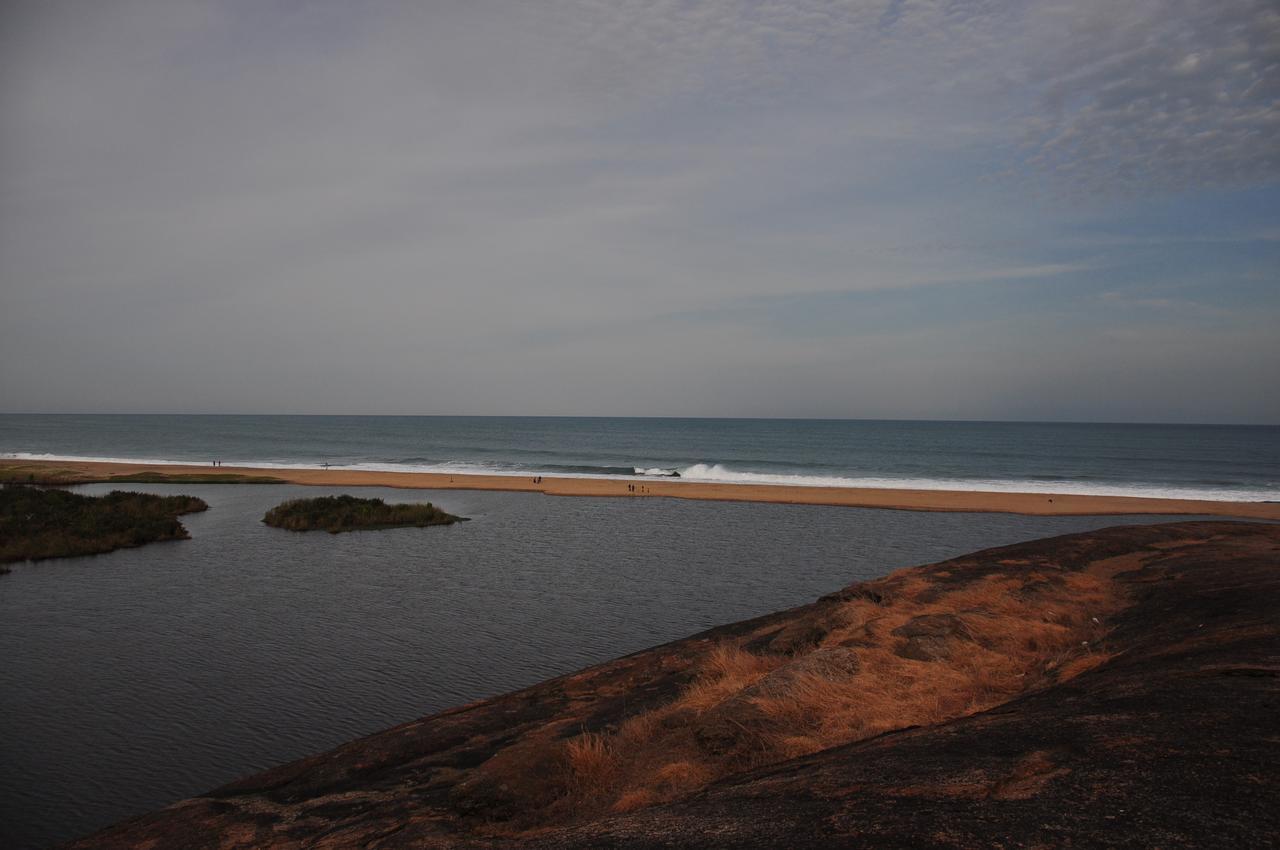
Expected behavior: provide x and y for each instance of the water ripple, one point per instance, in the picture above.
(133, 679)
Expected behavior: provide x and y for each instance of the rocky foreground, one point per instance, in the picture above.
(1118, 688)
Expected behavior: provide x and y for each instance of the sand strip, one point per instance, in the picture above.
(1037, 504)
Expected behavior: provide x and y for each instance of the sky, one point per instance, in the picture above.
(969, 209)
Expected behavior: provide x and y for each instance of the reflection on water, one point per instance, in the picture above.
(133, 679)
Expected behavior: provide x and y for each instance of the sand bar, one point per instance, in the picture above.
(1036, 504)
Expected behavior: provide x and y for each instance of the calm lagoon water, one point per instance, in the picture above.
(133, 679)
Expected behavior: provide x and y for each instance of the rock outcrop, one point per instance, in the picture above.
(1117, 688)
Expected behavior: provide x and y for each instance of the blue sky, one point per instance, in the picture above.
(899, 208)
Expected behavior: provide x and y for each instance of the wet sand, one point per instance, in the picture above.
(1033, 504)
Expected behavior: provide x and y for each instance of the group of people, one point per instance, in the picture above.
(631, 488)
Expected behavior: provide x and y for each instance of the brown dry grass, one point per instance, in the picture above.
(1023, 629)
(724, 672)
(592, 763)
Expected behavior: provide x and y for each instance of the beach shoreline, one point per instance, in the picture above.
(1029, 504)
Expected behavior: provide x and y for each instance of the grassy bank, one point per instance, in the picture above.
(335, 514)
(37, 523)
(50, 474)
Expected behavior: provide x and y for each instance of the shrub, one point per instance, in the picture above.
(335, 514)
(40, 523)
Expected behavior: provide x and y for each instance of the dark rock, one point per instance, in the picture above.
(481, 796)
(862, 590)
(930, 637)
(761, 643)
(798, 637)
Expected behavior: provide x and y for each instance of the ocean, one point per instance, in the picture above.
(1218, 462)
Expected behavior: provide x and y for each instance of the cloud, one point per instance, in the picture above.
(226, 205)
(1157, 94)
(1163, 306)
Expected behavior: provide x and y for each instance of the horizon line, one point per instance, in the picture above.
(659, 417)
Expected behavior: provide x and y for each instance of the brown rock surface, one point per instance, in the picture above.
(930, 637)
(1145, 712)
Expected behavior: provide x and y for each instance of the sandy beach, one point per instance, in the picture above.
(1034, 504)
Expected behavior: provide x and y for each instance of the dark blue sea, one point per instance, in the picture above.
(1221, 462)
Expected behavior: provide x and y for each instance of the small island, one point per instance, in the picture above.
(38, 523)
(335, 514)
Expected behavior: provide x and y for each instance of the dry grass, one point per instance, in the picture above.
(726, 670)
(592, 761)
(668, 782)
(1020, 632)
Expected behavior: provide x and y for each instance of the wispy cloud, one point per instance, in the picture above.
(1158, 94)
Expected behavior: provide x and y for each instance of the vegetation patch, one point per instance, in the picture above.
(37, 523)
(347, 513)
(47, 474)
(31, 473)
(196, 478)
